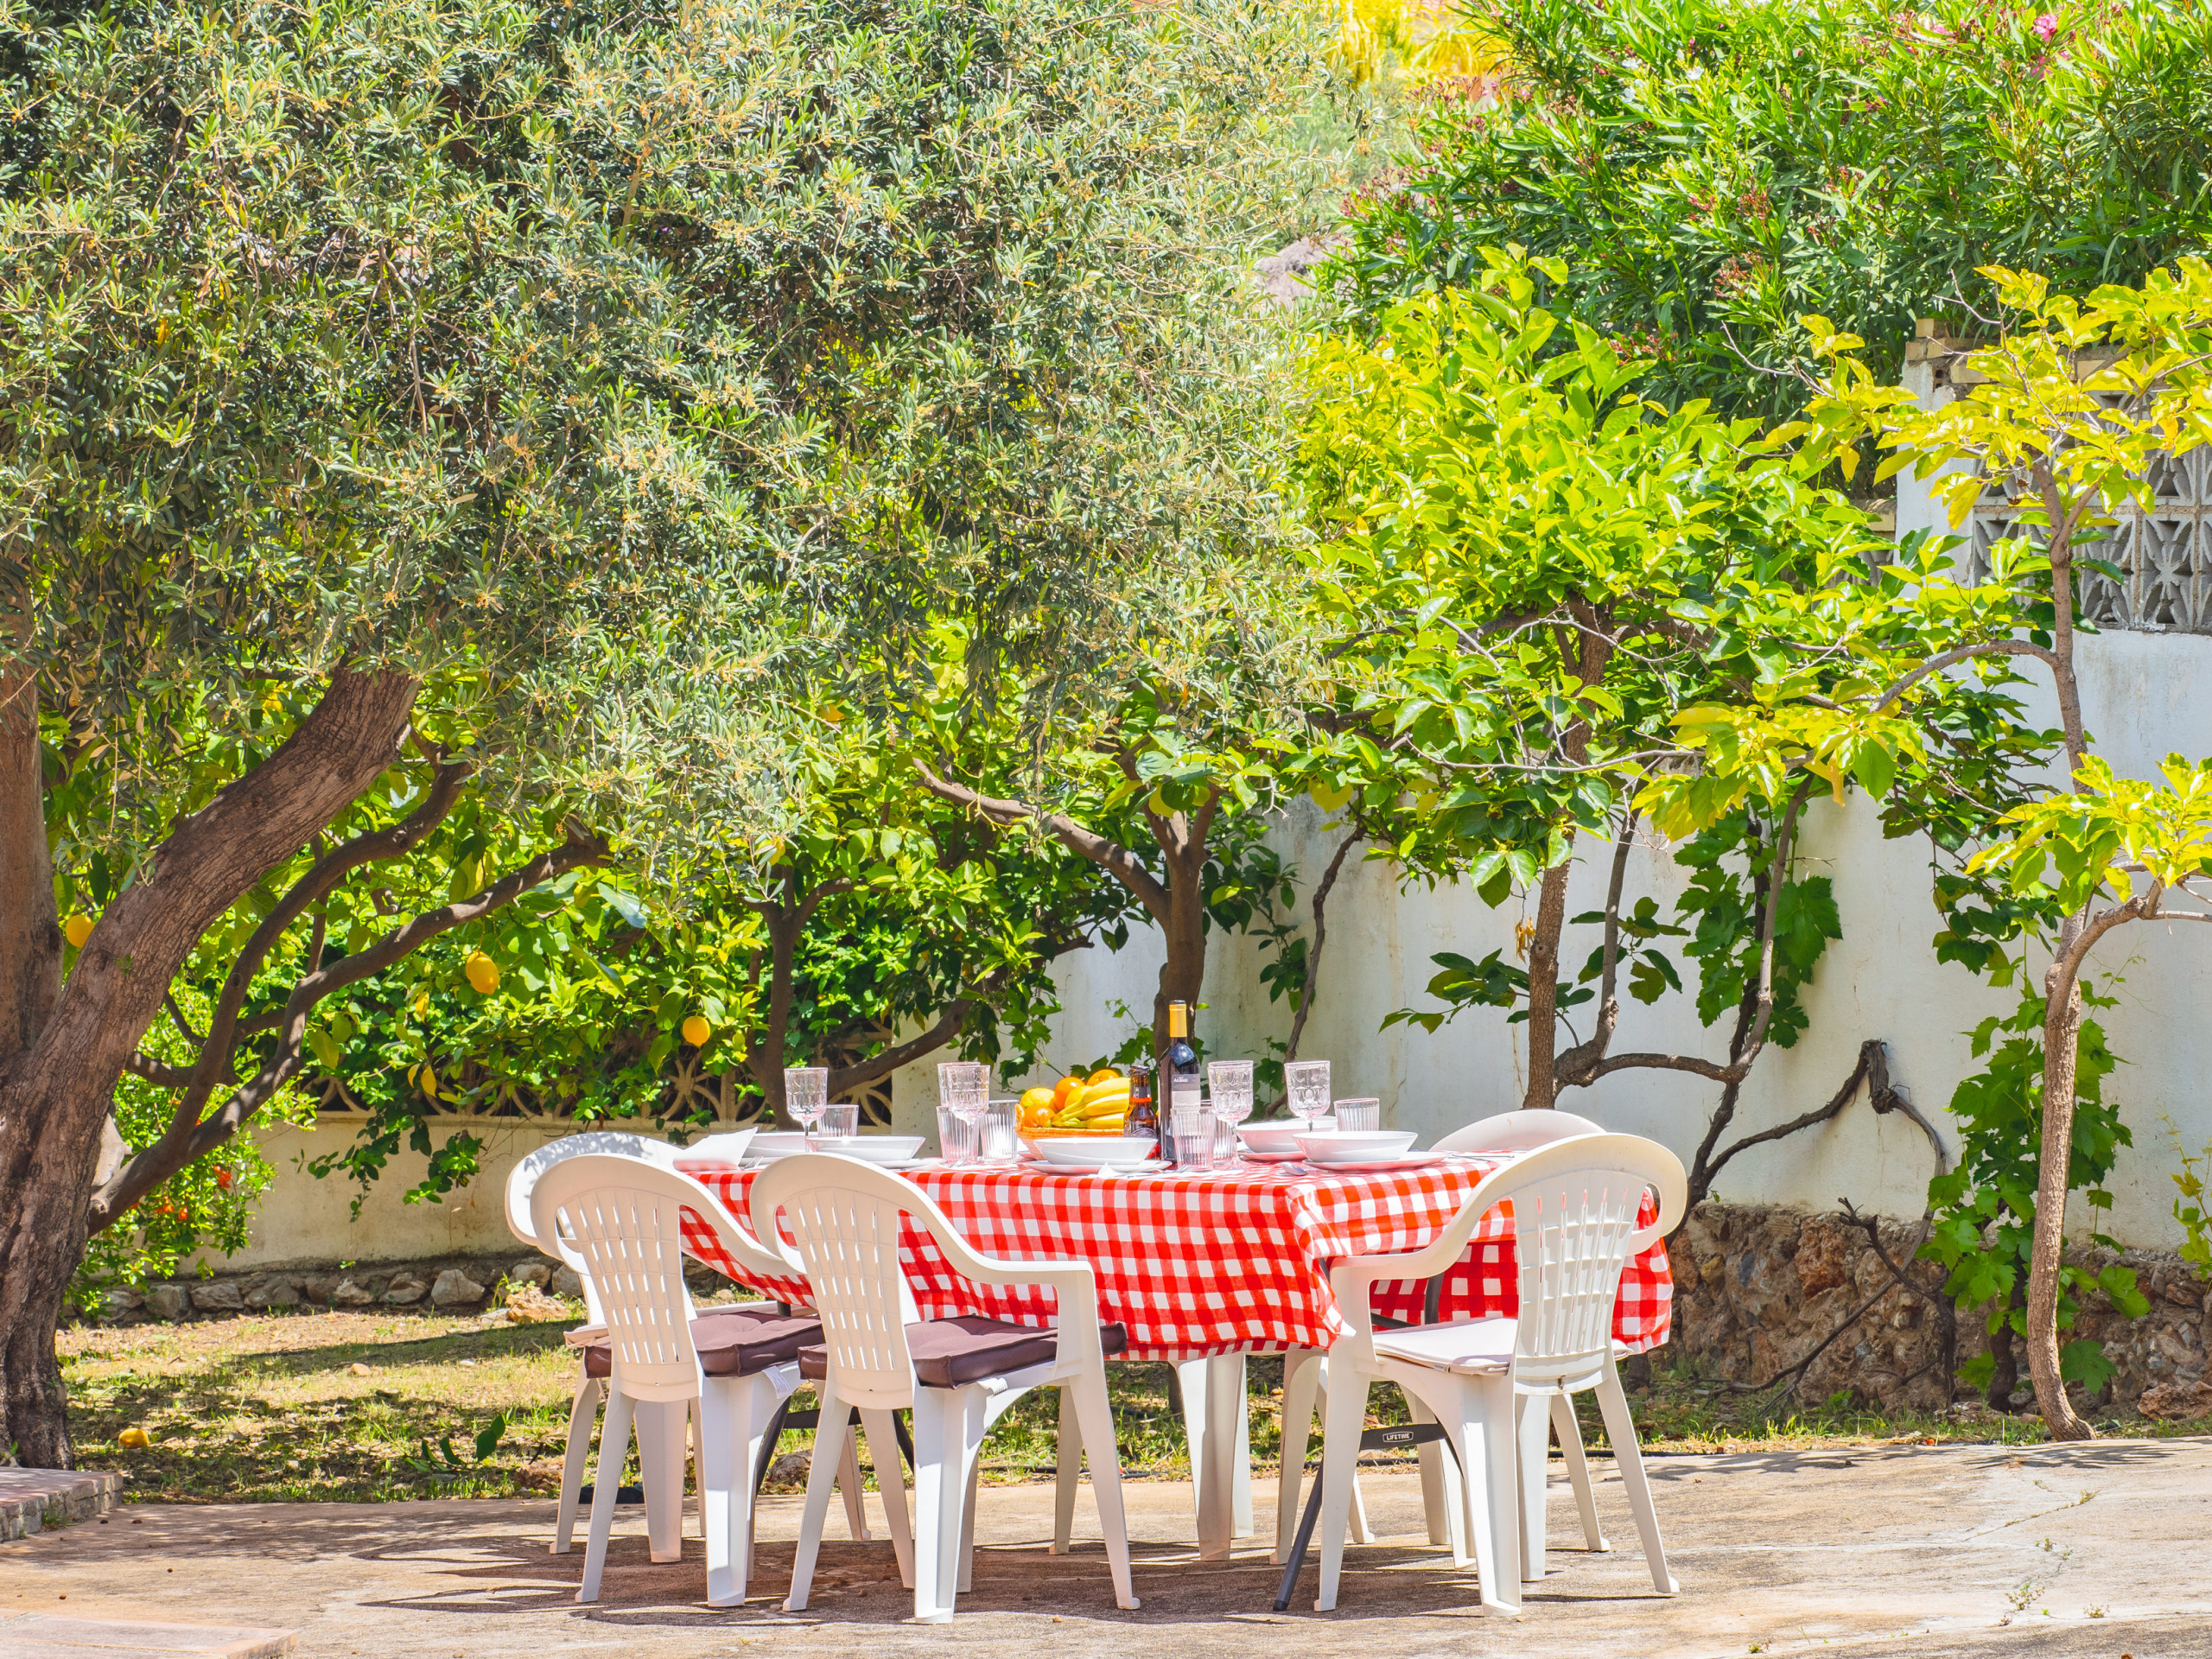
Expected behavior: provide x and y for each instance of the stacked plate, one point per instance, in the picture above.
(1092, 1151)
(1371, 1150)
(1277, 1143)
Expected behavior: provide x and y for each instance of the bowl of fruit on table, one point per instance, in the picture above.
(1093, 1109)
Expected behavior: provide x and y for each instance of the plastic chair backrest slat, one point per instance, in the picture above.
(1518, 1131)
(623, 1218)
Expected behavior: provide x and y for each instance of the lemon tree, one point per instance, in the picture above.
(2065, 410)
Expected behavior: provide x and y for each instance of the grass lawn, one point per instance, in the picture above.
(372, 1406)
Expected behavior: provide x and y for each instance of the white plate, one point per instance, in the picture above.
(1336, 1145)
(1092, 1150)
(876, 1148)
(1277, 1140)
(1124, 1166)
(1253, 1155)
(1377, 1166)
(774, 1143)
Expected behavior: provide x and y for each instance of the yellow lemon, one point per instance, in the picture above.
(696, 1031)
(1330, 799)
(76, 930)
(134, 1435)
(483, 972)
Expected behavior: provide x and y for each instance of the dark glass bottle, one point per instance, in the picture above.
(1144, 1118)
(1179, 1074)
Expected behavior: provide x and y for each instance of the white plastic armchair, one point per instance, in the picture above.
(623, 1219)
(840, 1220)
(1575, 1211)
(1518, 1132)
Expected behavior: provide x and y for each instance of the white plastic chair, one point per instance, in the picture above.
(661, 1467)
(843, 1219)
(1575, 1205)
(623, 1217)
(1518, 1132)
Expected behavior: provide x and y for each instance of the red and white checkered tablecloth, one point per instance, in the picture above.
(1218, 1263)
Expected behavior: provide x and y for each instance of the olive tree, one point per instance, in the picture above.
(412, 405)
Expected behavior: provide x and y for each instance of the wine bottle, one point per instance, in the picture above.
(1180, 1068)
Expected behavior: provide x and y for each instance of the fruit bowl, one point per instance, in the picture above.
(1074, 1147)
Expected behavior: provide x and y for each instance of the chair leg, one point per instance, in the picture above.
(1069, 1458)
(662, 1430)
(1096, 1413)
(1347, 1415)
(613, 1452)
(891, 1481)
(580, 1414)
(1435, 1490)
(968, 1528)
(1301, 1378)
(821, 1477)
(947, 1431)
(1577, 1470)
(725, 1442)
(1532, 1422)
(1620, 1428)
(1488, 1467)
(848, 1482)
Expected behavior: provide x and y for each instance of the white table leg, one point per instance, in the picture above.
(1241, 1465)
(1210, 1420)
(662, 1428)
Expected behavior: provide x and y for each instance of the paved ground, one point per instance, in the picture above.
(2095, 1550)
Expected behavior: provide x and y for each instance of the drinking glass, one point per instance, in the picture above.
(1194, 1133)
(1307, 1083)
(1359, 1117)
(1001, 1139)
(956, 1138)
(806, 1091)
(840, 1123)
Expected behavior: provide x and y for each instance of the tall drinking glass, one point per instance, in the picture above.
(806, 1091)
(1307, 1081)
(963, 1088)
(1359, 1117)
(999, 1133)
(1230, 1083)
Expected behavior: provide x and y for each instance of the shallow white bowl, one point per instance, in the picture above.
(1094, 1148)
(1277, 1140)
(876, 1148)
(721, 1148)
(1338, 1147)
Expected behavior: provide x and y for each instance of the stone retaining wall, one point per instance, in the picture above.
(457, 1284)
(1758, 1287)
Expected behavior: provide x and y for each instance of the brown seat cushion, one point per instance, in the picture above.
(732, 1341)
(949, 1353)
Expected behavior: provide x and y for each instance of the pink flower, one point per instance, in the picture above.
(2047, 25)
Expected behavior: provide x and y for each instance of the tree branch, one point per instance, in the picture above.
(1570, 1066)
(1114, 858)
(1321, 891)
(1937, 664)
(147, 1169)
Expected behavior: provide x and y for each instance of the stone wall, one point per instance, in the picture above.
(1758, 1288)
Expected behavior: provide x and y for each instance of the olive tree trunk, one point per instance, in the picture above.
(56, 1088)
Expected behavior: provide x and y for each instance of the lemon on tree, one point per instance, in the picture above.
(696, 1031)
(482, 972)
(76, 930)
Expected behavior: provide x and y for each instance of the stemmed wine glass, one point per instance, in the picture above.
(806, 1091)
(964, 1088)
(1230, 1083)
(1307, 1081)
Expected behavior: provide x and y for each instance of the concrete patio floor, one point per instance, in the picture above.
(2094, 1550)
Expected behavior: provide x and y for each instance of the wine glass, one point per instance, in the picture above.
(1230, 1082)
(1307, 1081)
(806, 1091)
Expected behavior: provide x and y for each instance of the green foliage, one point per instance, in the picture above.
(1538, 568)
(2194, 1180)
(1984, 1209)
(1706, 171)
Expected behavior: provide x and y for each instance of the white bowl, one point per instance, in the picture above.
(1339, 1146)
(876, 1148)
(1095, 1148)
(720, 1149)
(1277, 1140)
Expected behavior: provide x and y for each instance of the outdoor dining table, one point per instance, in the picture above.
(1202, 1268)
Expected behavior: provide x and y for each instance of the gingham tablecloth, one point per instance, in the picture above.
(1213, 1264)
